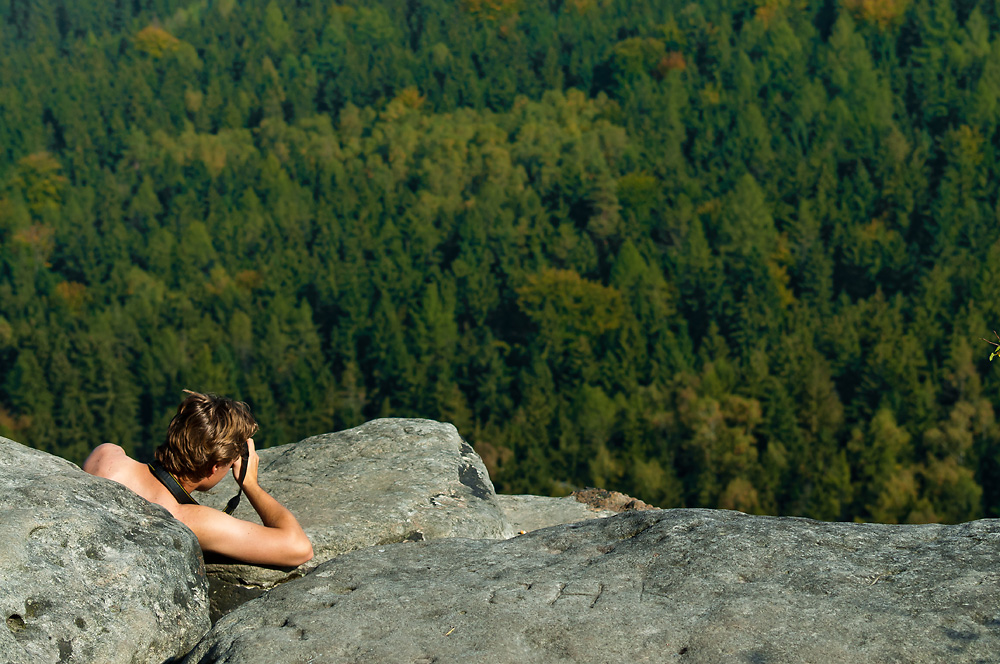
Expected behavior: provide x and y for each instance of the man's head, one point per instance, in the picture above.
(208, 430)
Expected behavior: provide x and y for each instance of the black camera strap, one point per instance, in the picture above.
(234, 502)
(173, 486)
(180, 493)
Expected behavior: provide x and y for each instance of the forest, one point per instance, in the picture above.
(725, 253)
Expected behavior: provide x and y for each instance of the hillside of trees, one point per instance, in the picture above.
(725, 253)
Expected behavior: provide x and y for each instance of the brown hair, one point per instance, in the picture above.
(207, 430)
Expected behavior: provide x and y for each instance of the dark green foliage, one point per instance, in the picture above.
(720, 254)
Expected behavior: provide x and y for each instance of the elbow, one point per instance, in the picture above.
(307, 552)
(302, 552)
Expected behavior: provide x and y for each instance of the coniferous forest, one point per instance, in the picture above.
(725, 253)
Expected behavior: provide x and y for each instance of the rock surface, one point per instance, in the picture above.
(390, 480)
(89, 571)
(651, 586)
(526, 513)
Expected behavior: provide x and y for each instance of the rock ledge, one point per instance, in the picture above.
(644, 586)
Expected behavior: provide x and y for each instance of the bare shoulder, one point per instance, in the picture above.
(196, 517)
(103, 458)
(111, 462)
(214, 529)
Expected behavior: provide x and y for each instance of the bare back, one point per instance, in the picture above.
(110, 462)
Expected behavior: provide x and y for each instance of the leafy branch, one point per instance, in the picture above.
(996, 346)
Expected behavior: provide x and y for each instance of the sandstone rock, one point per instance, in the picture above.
(645, 586)
(386, 481)
(90, 571)
(527, 513)
(601, 499)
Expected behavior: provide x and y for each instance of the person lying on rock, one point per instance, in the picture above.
(207, 437)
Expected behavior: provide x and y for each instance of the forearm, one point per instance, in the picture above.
(275, 515)
(272, 513)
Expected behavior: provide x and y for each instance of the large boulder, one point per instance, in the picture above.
(90, 571)
(643, 586)
(390, 480)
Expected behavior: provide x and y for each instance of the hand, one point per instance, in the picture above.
(252, 461)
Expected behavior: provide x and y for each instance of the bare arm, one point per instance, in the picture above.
(284, 544)
(280, 541)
